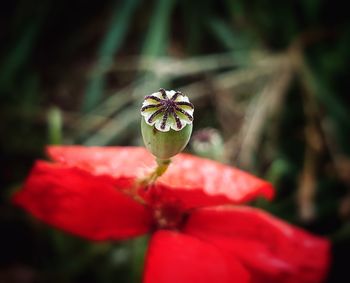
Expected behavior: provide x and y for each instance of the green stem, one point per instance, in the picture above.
(162, 166)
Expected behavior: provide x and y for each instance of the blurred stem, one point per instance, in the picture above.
(20, 52)
(110, 45)
(138, 249)
(314, 147)
(155, 41)
(54, 120)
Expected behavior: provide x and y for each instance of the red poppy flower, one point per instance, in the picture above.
(199, 233)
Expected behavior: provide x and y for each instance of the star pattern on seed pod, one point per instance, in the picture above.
(167, 110)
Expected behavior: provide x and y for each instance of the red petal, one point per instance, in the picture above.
(193, 181)
(274, 251)
(113, 161)
(80, 203)
(201, 182)
(174, 257)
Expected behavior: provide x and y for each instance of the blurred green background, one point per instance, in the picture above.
(270, 76)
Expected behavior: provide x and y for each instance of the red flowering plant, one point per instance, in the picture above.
(191, 206)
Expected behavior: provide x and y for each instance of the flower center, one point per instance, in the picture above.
(168, 217)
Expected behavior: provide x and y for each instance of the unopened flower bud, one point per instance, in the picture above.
(208, 143)
(166, 123)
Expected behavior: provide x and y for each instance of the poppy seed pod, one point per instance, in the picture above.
(166, 123)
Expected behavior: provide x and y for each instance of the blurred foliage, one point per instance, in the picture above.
(271, 76)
